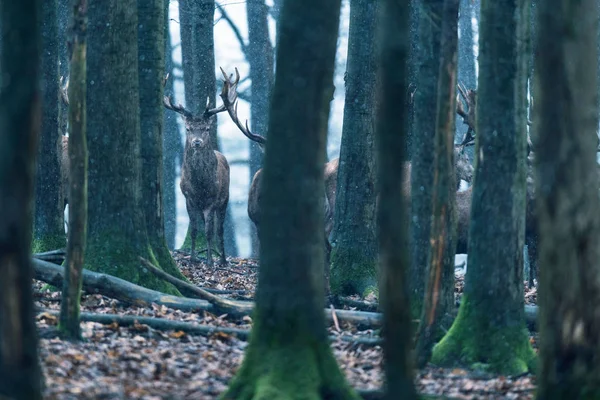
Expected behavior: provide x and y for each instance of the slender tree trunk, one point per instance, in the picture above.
(567, 200)
(425, 102)
(172, 148)
(20, 115)
(151, 64)
(64, 16)
(354, 243)
(490, 326)
(439, 296)
(117, 230)
(412, 73)
(78, 160)
(392, 213)
(49, 232)
(466, 56)
(288, 355)
(260, 58)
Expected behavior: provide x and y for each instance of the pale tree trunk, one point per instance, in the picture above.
(567, 200)
(354, 243)
(392, 214)
(491, 310)
(20, 115)
(288, 320)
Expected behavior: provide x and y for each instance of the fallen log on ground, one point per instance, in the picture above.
(119, 289)
(162, 324)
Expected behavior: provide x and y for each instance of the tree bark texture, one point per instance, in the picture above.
(466, 55)
(425, 103)
(438, 309)
(78, 160)
(20, 116)
(490, 326)
(117, 230)
(151, 67)
(288, 356)
(567, 200)
(354, 243)
(392, 213)
(49, 231)
(260, 57)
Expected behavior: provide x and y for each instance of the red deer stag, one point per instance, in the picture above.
(204, 177)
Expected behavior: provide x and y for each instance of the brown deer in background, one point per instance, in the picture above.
(204, 177)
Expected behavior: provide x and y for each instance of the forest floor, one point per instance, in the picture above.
(138, 362)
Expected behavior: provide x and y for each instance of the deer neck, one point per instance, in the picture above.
(199, 162)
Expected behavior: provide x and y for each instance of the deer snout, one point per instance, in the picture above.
(197, 142)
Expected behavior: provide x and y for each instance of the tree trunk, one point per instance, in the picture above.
(288, 355)
(20, 114)
(354, 243)
(490, 326)
(260, 58)
(78, 160)
(466, 55)
(438, 309)
(424, 103)
(392, 213)
(412, 73)
(49, 231)
(567, 200)
(117, 231)
(172, 148)
(197, 30)
(151, 64)
(64, 16)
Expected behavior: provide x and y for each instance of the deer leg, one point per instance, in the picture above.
(532, 252)
(220, 222)
(194, 229)
(327, 266)
(209, 229)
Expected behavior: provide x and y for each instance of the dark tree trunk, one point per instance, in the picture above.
(288, 320)
(198, 33)
(567, 200)
(354, 243)
(151, 64)
(117, 230)
(439, 297)
(64, 16)
(260, 58)
(412, 74)
(424, 103)
(20, 114)
(172, 148)
(49, 231)
(78, 160)
(466, 55)
(490, 326)
(392, 213)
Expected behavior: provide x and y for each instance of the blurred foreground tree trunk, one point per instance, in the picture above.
(567, 200)
(392, 213)
(49, 231)
(354, 243)
(490, 327)
(20, 114)
(289, 356)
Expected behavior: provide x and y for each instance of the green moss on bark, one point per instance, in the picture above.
(166, 262)
(48, 242)
(352, 272)
(112, 254)
(472, 342)
(200, 240)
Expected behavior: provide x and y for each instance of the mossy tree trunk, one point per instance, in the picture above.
(172, 148)
(20, 114)
(288, 356)
(117, 232)
(78, 159)
(392, 213)
(438, 309)
(151, 64)
(354, 243)
(49, 231)
(489, 331)
(260, 58)
(567, 200)
(198, 61)
(424, 103)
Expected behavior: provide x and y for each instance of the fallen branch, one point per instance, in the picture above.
(222, 305)
(339, 301)
(119, 289)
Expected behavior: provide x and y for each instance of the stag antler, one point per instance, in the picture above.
(468, 116)
(168, 103)
(64, 90)
(229, 96)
